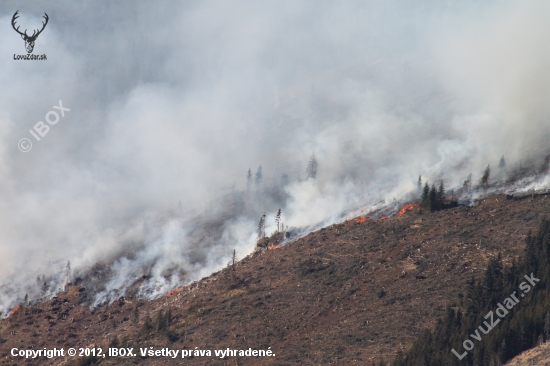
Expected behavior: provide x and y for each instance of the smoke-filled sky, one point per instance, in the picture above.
(174, 101)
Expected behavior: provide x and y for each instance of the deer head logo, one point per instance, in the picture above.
(29, 40)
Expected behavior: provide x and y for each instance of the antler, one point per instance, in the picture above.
(34, 34)
(43, 25)
(15, 16)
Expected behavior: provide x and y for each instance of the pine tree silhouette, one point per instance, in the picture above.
(261, 228)
(425, 199)
(440, 195)
(485, 177)
(467, 185)
(311, 170)
(258, 178)
(278, 220)
(433, 198)
(248, 180)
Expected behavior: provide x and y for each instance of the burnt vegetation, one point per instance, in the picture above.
(351, 293)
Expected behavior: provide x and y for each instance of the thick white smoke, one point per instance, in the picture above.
(172, 103)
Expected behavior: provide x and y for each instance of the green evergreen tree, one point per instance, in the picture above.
(147, 326)
(440, 195)
(493, 281)
(169, 317)
(485, 177)
(425, 200)
(433, 198)
(159, 323)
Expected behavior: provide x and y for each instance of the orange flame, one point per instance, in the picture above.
(15, 309)
(173, 292)
(383, 218)
(361, 219)
(273, 247)
(408, 207)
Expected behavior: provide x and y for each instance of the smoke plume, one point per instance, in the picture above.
(142, 184)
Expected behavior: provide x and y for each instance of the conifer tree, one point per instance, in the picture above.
(233, 260)
(502, 163)
(278, 220)
(485, 177)
(261, 228)
(425, 200)
(135, 314)
(68, 273)
(545, 165)
(493, 281)
(467, 185)
(160, 323)
(433, 198)
(169, 317)
(258, 178)
(419, 183)
(440, 195)
(311, 170)
(147, 324)
(232, 265)
(248, 180)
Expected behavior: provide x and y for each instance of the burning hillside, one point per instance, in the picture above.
(362, 291)
(319, 143)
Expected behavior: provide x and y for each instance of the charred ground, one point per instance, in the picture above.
(347, 294)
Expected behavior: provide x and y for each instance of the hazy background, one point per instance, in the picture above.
(172, 102)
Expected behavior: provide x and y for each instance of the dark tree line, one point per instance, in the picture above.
(523, 326)
(433, 198)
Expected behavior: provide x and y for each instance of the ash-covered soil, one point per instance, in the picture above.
(344, 295)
